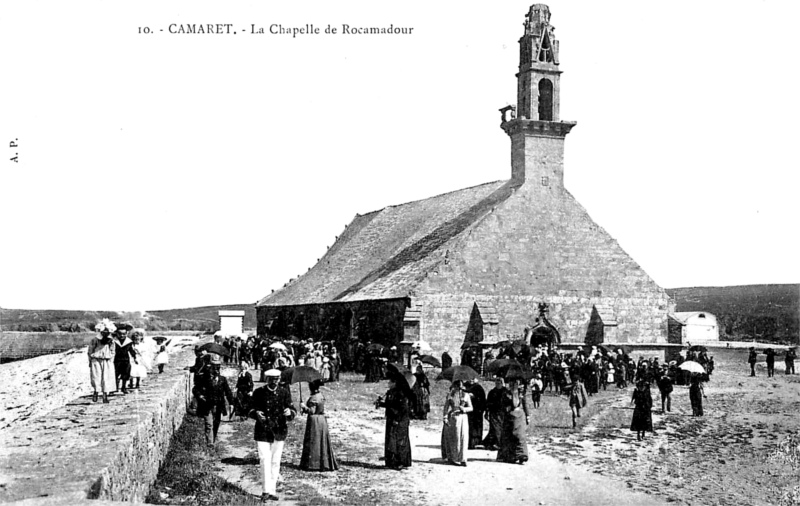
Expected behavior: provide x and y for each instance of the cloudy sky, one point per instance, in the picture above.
(169, 170)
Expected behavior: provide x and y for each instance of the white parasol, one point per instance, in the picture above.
(277, 345)
(421, 345)
(692, 366)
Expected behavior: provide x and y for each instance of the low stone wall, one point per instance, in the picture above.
(24, 345)
(86, 450)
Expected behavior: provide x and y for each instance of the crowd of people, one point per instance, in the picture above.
(119, 361)
(257, 352)
(120, 357)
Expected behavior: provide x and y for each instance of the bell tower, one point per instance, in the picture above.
(536, 131)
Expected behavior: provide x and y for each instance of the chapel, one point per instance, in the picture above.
(481, 263)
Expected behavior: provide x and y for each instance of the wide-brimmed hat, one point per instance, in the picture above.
(215, 359)
(273, 373)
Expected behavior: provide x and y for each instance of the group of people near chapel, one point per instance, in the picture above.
(119, 358)
(272, 409)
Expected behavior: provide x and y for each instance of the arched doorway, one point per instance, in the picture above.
(543, 335)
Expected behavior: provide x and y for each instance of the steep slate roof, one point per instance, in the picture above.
(384, 254)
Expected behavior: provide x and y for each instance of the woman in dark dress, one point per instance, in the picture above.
(422, 396)
(513, 438)
(317, 449)
(643, 403)
(495, 414)
(244, 392)
(696, 395)
(475, 417)
(397, 443)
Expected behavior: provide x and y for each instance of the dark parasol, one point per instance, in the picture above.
(430, 359)
(500, 366)
(459, 372)
(216, 348)
(300, 374)
(401, 376)
(375, 348)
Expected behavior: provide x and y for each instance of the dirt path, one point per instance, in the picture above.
(543, 480)
(735, 454)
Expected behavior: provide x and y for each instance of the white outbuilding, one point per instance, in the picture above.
(231, 322)
(692, 326)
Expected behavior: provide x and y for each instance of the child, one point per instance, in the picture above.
(139, 366)
(536, 389)
(162, 358)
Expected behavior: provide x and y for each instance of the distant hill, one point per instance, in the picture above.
(207, 314)
(765, 312)
(55, 320)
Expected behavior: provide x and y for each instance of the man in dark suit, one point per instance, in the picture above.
(212, 390)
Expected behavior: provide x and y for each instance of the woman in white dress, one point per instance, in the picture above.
(455, 432)
(101, 360)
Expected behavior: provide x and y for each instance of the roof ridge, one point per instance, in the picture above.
(435, 239)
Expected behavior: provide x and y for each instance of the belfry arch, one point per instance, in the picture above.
(545, 100)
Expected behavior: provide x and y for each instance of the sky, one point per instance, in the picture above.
(159, 170)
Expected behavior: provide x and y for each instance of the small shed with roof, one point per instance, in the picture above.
(692, 327)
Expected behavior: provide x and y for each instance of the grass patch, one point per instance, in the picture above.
(188, 475)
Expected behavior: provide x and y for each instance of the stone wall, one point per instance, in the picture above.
(22, 345)
(86, 450)
(540, 246)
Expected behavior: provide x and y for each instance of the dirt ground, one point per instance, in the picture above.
(744, 451)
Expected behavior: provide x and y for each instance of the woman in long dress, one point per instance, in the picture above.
(244, 392)
(101, 361)
(422, 395)
(696, 395)
(513, 438)
(642, 400)
(455, 432)
(495, 414)
(317, 449)
(397, 443)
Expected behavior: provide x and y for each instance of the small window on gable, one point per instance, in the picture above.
(701, 315)
(545, 181)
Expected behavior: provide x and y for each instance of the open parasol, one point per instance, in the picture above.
(421, 345)
(459, 372)
(501, 366)
(300, 374)
(216, 348)
(401, 375)
(515, 373)
(375, 347)
(692, 367)
(430, 359)
(698, 347)
(278, 346)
